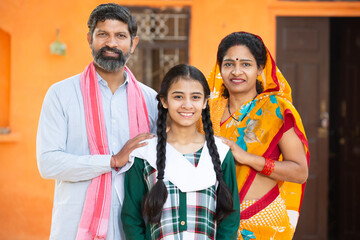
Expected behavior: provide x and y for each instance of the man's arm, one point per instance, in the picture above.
(53, 160)
(122, 157)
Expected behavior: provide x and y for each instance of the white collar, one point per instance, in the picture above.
(178, 169)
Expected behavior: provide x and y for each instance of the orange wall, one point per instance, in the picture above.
(26, 202)
(4, 77)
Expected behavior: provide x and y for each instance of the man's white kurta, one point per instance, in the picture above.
(63, 152)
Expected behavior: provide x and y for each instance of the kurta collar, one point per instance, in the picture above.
(104, 83)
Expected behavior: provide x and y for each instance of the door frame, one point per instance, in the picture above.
(279, 8)
(306, 9)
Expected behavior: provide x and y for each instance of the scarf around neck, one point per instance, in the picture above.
(95, 216)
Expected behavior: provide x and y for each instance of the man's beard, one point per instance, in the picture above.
(110, 64)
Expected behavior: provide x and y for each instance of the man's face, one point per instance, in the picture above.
(111, 44)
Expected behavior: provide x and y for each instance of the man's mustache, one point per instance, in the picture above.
(115, 50)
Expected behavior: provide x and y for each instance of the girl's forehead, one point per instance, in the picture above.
(187, 84)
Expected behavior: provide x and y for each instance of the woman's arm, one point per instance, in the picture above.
(293, 168)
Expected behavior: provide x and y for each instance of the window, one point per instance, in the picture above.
(163, 42)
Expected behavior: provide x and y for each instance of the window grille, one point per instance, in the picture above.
(164, 36)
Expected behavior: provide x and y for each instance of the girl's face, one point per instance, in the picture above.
(185, 102)
(239, 71)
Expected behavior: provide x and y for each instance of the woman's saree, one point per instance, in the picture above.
(258, 130)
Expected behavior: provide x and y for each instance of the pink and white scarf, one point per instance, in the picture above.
(95, 216)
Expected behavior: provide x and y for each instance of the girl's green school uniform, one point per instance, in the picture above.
(189, 210)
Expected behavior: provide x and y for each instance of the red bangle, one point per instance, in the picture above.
(116, 168)
(269, 166)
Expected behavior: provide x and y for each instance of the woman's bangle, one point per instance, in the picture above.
(269, 167)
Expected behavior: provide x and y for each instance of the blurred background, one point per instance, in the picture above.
(316, 45)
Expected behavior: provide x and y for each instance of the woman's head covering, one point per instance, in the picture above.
(272, 79)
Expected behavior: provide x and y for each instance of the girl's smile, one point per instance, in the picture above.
(185, 102)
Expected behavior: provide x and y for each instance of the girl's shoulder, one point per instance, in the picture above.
(222, 148)
(147, 152)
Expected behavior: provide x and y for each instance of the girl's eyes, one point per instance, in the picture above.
(246, 64)
(195, 97)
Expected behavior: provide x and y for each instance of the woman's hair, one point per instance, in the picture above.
(252, 42)
(155, 199)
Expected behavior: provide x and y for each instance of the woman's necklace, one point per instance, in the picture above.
(246, 111)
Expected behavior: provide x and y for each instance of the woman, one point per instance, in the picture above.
(251, 108)
(182, 182)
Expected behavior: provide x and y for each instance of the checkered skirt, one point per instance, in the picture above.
(187, 215)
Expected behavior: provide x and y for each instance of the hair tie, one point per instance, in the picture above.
(160, 177)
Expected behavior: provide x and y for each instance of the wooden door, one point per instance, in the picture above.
(303, 58)
(345, 128)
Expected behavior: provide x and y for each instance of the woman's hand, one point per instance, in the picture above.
(293, 168)
(239, 154)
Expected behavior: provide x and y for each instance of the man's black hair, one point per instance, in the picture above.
(112, 11)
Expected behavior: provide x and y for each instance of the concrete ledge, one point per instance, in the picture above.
(10, 137)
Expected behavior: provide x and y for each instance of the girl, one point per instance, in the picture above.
(182, 182)
(252, 109)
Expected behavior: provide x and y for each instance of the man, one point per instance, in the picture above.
(84, 130)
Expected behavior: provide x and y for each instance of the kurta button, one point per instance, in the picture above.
(182, 223)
